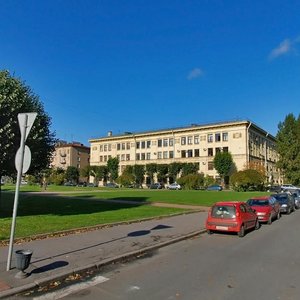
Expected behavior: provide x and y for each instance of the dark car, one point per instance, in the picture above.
(274, 188)
(231, 216)
(296, 195)
(286, 201)
(267, 208)
(81, 184)
(111, 185)
(156, 186)
(214, 187)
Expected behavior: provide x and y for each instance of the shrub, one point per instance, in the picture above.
(191, 181)
(247, 180)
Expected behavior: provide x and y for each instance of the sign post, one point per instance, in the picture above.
(22, 162)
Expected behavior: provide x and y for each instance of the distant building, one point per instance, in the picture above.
(248, 144)
(70, 154)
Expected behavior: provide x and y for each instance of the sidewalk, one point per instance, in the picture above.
(56, 258)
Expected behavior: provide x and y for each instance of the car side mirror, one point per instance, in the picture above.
(253, 210)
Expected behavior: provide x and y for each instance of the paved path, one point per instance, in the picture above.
(59, 257)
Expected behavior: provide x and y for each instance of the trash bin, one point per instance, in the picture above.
(23, 258)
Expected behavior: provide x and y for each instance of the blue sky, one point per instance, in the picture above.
(137, 65)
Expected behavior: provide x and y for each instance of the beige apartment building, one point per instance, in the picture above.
(70, 154)
(246, 142)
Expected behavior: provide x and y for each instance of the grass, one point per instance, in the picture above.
(74, 207)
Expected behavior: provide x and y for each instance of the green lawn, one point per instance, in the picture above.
(74, 207)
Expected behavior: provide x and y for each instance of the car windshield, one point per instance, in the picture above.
(223, 211)
(256, 202)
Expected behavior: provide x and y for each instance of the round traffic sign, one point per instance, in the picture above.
(26, 161)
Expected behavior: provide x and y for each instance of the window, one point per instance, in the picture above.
(171, 142)
(218, 150)
(159, 143)
(171, 154)
(143, 156)
(118, 146)
(210, 138)
(165, 154)
(218, 137)
(159, 155)
(196, 139)
(101, 148)
(225, 136)
(190, 140)
(210, 165)
(137, 145)
(101, 158)
(183, 140)
(123, 146)
(210, 152)
(148, 156)
(137, 156)
(105, 157)
(127, 156)
(128, 146)
(148, 144)
(165, 142)
(183, 153)
(143, 144)
(197, 152)
(190, 153)
(123, 157)
(225, 149)
(109, 147)
(105, 147)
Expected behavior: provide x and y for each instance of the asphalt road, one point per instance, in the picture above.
(265, 264)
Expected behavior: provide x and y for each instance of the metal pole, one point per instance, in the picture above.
(19, 176)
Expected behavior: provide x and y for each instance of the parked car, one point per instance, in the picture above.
(174, 186)
(111, 185)
(274, 188)
(288, 187)
(155, 186)
(91, 184)
(286, 201)
(231, 216)
(81, 184)
(69, 183)
(267, 208)
(296, 195)
(214, 187)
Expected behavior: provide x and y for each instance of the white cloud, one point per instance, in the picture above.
(195, 73)
(285, 47)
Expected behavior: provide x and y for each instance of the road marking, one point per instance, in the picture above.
(72, 289)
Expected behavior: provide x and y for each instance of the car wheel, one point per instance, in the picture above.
(257, 225)
(270, 220)
(241, 233)
(289, 211)
(209, 231)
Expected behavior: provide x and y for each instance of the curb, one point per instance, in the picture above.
(96, 266)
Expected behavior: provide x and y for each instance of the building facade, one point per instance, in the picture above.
(246, 142)
(72, 154)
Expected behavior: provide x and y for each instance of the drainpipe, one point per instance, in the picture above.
(247, 141)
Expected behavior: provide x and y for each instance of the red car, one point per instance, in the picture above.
(232, 216)
(267, 208)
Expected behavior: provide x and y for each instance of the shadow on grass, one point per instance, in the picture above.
(30, 205)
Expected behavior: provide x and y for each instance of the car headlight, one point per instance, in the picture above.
(284, 205)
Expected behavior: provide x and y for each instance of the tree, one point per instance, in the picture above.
(162, 171)
(223, 163)
(112, 167)
(247, 180)
(288, 148)
(139, 172)
(99, 173)
(151, 169)
(190, 168)
(174, 170)
(16, 97)
(72, 174)
(85, 172)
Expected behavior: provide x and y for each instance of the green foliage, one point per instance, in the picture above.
(208, 180)
(192, 181)
(223, 163)
(174, 169)
(99, 173)
(15, 98)
(151, 169)
(139, 172)
(125, 180)
(112, 167)
(288, 148)
(72, 174)
(162, 171)
(247, 180)
(190, 168)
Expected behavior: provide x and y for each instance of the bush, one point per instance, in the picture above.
(191, 181)
(247, 180)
